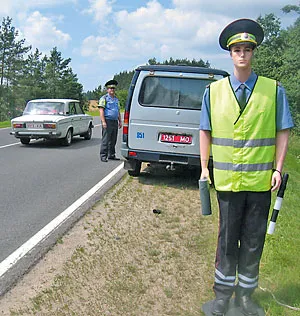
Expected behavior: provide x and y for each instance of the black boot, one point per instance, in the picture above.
(219, 307)
(248, 307)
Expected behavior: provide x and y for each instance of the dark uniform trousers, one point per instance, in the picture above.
(109, 139)
(242, 230)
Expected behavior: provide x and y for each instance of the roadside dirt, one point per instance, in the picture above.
(122, 258)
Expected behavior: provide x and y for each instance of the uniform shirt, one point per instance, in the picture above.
(110, 105)
(283, 114)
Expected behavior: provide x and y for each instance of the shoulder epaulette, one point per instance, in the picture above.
(278, 83)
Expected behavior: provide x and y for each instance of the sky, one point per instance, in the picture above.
(106, 37)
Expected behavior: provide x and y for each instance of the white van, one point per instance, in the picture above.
(162, 115)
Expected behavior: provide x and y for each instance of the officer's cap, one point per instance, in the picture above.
(241, 31)
(111, 83)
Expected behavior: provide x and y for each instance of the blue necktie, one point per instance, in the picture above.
(242, 98)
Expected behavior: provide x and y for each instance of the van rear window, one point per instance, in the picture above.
(170, 92)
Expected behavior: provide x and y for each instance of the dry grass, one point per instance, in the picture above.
(122, 259)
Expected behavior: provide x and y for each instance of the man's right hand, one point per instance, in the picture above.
(205, 174)
(104, 125)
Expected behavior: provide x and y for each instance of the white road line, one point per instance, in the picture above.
(9, 145)
(12, 259)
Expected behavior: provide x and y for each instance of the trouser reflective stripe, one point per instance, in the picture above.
(243, 223)
(220, 278)
(246, 282)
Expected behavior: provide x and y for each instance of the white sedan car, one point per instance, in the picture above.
(52, 119)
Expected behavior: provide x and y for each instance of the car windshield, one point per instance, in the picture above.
(54, 108)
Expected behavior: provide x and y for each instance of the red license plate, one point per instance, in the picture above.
(173, 138)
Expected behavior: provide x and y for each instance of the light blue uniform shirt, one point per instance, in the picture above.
(111, 107)
(283, 114)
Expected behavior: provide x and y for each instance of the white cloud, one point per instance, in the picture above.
(9, 7)
(153, 31)
(190, 29)
(42, 33)
(100, 9)
(243, 8)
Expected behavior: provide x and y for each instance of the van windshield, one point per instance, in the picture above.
(183, 93)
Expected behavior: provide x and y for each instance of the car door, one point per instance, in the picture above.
(83, 119)
(75, 119)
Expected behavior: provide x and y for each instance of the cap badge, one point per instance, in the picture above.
(245, 36)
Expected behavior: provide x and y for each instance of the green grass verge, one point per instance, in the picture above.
(92, 113)
(4, 124)
(280, 269)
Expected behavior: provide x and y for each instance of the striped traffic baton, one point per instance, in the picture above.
(278, 204)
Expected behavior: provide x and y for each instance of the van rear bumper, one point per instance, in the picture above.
(161, 157)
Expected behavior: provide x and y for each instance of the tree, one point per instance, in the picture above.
(11, 63)
(60, 80)
(269, 55)
(291, 67)
(24, 77)
(11, 53)
(185, 61)
(32, 84)
(124, 79)
(288, 8)
(278, 57)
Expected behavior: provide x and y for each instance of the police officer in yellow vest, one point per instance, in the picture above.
(245, 121)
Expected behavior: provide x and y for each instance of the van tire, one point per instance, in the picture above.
(137, 169)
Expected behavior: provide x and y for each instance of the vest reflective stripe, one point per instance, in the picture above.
(243, 167)
(243, 143)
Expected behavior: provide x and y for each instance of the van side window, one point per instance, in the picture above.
(182, 93)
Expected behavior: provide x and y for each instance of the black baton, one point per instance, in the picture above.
(278, 203)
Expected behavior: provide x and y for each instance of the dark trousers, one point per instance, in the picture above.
(243, 220)
(109, 139)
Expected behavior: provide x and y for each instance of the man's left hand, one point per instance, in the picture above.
(276, 181)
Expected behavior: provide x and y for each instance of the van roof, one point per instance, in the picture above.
(183, 68)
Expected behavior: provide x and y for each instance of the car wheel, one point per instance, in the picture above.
(25, 140)
(137, 169)
(88, 134)
(67, 140)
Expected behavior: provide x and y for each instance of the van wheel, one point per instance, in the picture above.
(137, 169)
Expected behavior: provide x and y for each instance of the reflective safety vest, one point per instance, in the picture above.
(243, 143)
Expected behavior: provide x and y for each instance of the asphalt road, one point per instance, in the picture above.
(40, 180)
